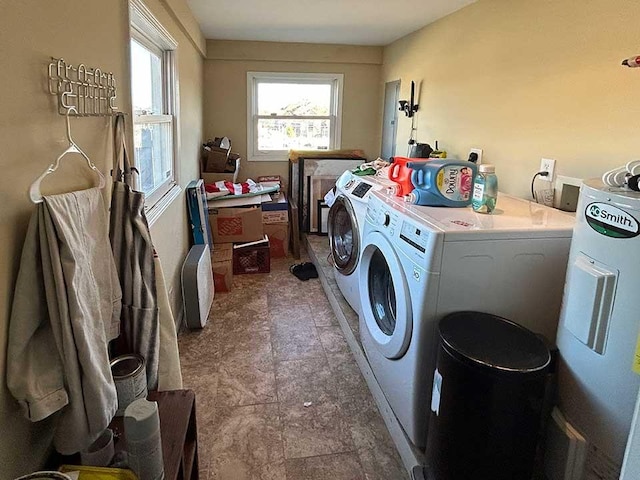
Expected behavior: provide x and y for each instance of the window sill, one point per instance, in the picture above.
(271, 158)
(283, 155)
(155, 212)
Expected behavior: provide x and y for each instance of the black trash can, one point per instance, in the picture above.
(487, 401)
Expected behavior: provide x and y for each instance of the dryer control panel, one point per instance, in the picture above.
(412, 240)
(361, 189)
(414, 236)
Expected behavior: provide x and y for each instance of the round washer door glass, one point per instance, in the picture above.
(343, 236)
(382, 294)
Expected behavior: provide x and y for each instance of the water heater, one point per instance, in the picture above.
(599, 323)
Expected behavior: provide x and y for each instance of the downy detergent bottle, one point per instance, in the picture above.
(441, 183)
(400, 173)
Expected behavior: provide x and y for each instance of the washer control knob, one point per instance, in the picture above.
(386, 219)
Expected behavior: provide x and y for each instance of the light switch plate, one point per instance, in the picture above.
(547, 165)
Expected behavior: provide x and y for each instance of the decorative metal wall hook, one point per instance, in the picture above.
(90, 90)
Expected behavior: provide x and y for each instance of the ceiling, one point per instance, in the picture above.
(350, 22)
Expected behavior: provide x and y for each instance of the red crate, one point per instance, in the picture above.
(252, 259)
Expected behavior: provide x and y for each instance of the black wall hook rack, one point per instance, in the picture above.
(408, 106)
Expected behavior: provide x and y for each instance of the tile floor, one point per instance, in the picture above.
(319, 246)
(272, 345)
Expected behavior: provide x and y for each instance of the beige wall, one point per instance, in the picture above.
(525, 80)
(32, 135)
(170, 232)
(187, 23)
(225, 91)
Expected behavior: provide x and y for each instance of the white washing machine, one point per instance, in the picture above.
(419, 264)
(346, 218)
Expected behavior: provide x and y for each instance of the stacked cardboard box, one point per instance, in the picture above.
(218, 162)
(275, 223)
(234, 225)
(228, 226)
(222, 265)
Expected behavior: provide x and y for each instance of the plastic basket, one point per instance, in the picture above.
(251, 260)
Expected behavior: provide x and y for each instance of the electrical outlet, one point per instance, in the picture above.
(477, 151)
(547, 165)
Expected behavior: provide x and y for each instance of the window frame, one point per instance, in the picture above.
(336, 80)
(149, 32)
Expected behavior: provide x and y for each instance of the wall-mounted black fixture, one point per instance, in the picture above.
(409, 107)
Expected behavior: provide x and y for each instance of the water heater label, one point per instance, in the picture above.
(611, 221)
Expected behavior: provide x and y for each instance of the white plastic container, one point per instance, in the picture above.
(100, 452)
(144, 446)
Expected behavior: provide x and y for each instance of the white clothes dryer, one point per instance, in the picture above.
(346, 218)
(419, 264)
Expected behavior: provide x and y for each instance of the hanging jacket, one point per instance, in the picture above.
(66, 309)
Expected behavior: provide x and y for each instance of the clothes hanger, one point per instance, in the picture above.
(34, 190)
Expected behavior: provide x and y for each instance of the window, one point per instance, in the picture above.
(292, 111)
(153, 84)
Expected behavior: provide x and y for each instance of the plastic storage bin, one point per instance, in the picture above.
(487, 401)
(252, 259)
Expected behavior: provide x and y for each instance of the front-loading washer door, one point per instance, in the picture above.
(386, 304)
(344, 238)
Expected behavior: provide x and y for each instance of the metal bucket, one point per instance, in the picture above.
(130, 378)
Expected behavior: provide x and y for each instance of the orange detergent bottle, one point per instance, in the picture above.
(400, 173)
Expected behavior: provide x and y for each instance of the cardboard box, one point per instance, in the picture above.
(270, 178)
(229, 225)
(278, 202)
(229, 176)
(222, 266)
(277, 216)
(214, 159)
(278, 234)
(277, 210)
(217, 177)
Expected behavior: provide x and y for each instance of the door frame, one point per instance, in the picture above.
(385, 121)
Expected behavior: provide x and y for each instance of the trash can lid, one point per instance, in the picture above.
(494, 342)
